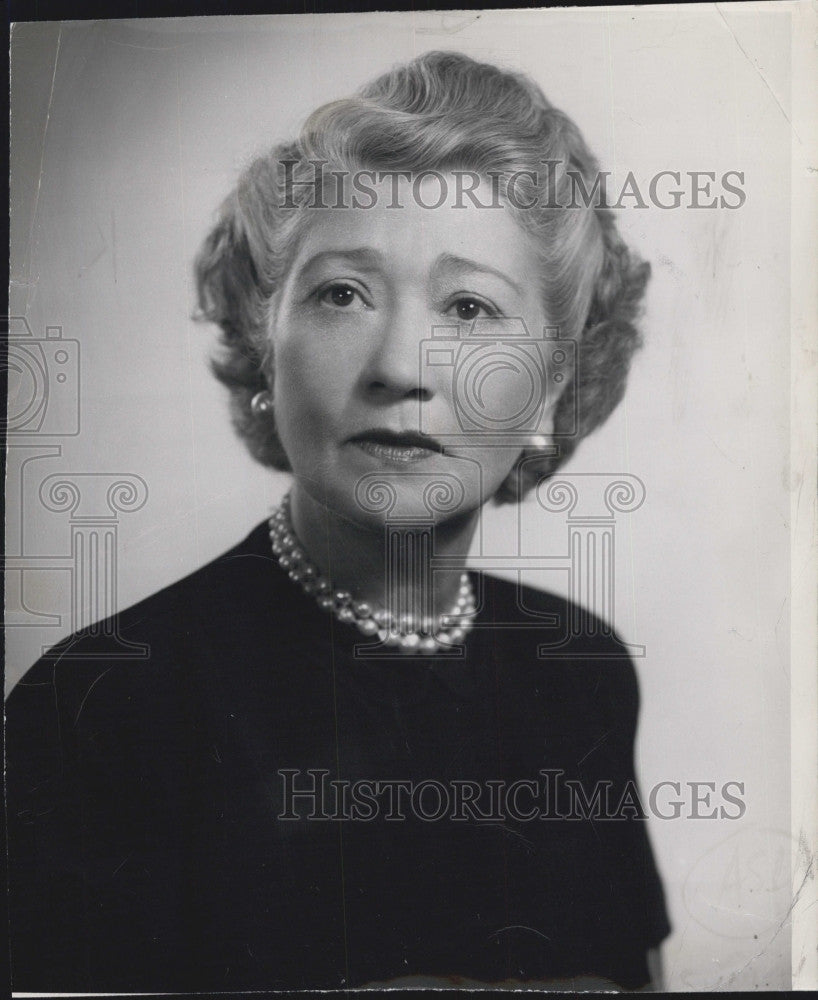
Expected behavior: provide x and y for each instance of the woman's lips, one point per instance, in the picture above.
(395, 453)
(401, 448)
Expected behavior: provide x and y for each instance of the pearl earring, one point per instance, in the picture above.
(262, 403)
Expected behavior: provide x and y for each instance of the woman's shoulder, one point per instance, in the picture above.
(147, 639)
(559, 637)
(510, 600)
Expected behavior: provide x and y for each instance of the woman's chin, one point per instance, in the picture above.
(384, 499)
(428, 488)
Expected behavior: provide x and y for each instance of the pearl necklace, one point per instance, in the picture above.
(428, 637)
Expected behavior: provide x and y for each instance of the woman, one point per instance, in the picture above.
(343, 761)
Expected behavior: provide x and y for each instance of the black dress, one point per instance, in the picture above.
(174, 825)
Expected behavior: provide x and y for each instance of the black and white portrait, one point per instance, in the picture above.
(409, 486)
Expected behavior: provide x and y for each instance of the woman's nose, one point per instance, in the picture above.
(395, 367)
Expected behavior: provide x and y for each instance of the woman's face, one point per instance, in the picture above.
(382, 374)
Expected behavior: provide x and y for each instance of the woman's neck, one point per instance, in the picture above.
(396, 574)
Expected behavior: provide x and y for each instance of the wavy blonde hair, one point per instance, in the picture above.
(442, 111)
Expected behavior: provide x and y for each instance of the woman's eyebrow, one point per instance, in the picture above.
(359, 256)
(454, 262)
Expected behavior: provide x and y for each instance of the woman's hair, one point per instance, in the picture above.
(445, 112)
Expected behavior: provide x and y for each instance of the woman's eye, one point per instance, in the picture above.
(469, 309)
(339, 295)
